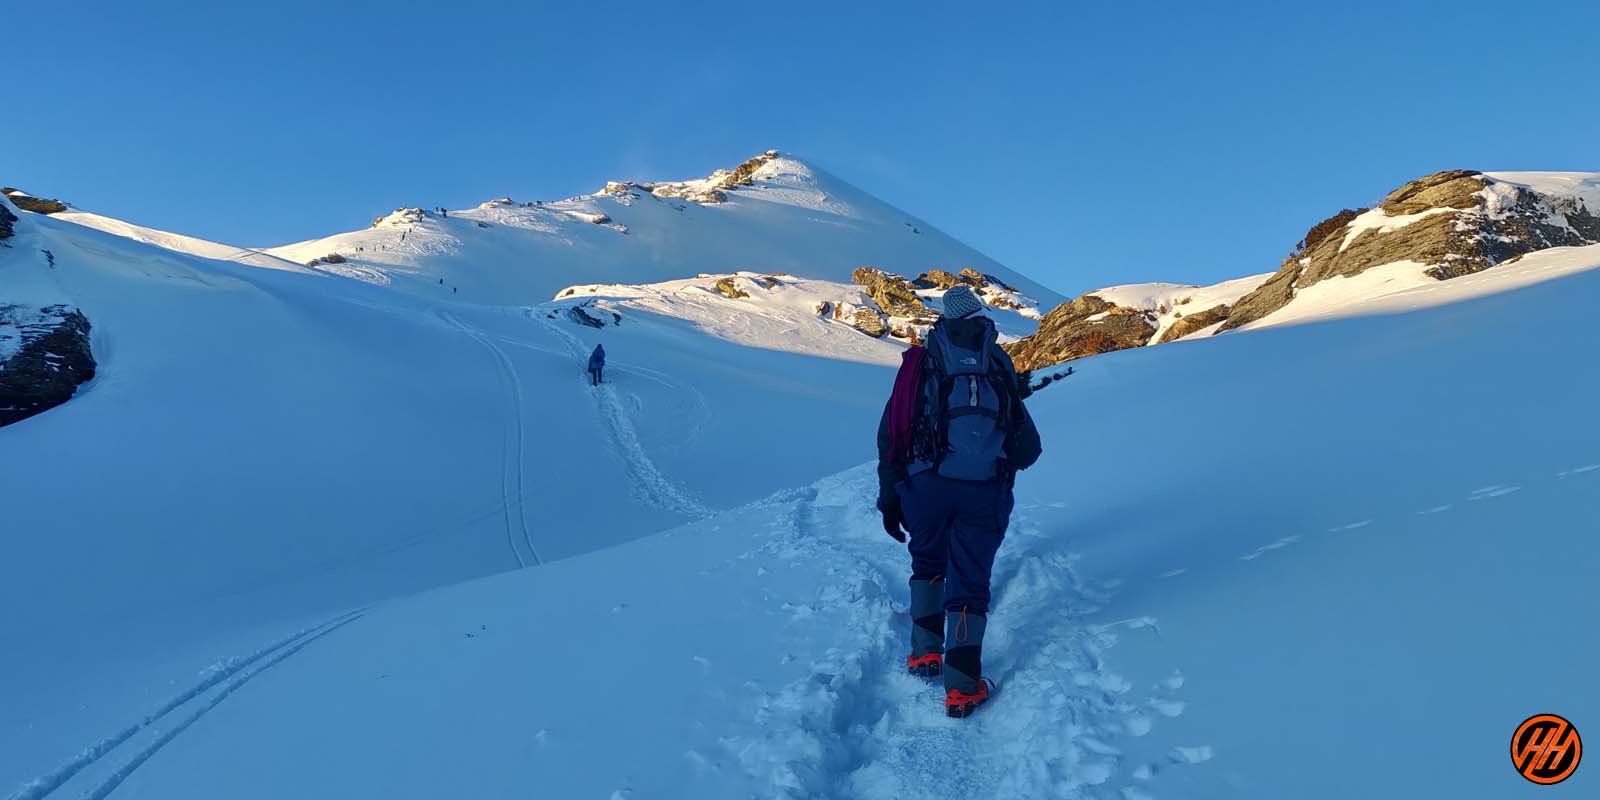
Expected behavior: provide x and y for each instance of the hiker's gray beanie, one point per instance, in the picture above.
(960, 302)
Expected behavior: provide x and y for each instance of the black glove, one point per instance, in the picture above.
(893, 521)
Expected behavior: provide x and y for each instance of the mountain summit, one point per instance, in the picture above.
(773, 213)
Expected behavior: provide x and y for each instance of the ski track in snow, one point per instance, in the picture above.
(1489, 492)
(512, 490)
(648, 482)
(235, 672)
(860, 726)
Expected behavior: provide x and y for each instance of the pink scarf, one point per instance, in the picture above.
(903, 402)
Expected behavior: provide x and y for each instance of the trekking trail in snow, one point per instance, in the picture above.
(512, 491)
(163, 725)
(648, 482)
(863, 727)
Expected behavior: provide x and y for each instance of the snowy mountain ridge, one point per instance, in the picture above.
(308, 535)
(1436, 228)
(772, 214)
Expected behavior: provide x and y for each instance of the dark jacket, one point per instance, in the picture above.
(1022, 448)
(597, 359)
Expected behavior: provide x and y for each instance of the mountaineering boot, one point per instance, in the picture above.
(927, 631)
(964, 687)
(960, 704)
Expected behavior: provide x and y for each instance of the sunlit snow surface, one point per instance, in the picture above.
(256, 557)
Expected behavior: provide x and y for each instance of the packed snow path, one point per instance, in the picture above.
(860, 726)
(648, 483)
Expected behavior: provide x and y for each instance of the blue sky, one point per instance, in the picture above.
(1083, 145)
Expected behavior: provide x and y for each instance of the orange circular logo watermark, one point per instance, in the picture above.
(1546, 749)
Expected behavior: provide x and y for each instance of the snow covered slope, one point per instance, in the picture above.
(790, 218)
(771, 312)
(273, 549)
(179, 242)
(264, 443)
(1417, 502)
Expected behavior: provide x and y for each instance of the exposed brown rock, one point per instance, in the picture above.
(1086, 326)
(1469, 237)
(331, 258)
(27, 202)
(869, 322)
(730, 289)
(893, 294)
(1194, 322)
(936, 279)
(714, 188)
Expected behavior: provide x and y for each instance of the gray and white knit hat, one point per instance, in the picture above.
(960, 303)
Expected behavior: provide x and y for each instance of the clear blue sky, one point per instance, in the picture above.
(1082, 144)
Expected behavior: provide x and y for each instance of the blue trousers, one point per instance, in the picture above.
(956, 529)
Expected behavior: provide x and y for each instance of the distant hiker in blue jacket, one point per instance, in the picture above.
(952, 438)
(597, 363)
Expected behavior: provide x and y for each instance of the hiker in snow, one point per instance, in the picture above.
(597, 363)
(953, 436)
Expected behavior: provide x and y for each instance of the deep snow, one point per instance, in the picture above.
(263, 444)
(271, 551)
(1201, 608)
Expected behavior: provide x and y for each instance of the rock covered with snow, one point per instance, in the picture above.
(44, 357)
(1133, 315)
(1453, 223)
(401, 217)
(44, 339)
(710, 190)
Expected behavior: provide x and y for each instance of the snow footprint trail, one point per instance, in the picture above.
(648, 482)
(512, 492)
(860, 726)
(236, 673)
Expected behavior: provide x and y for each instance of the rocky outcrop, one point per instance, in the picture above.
(910, 333)
(942, 279)
(1083, 327)
(586, 314)
(1455, 223)
(980, 280)
(730, 289)
(936, 279)
(1193, 322)
(894, 294)
(869, 322)
(401, 217)
(51, 360)
(8, 223)
(714, 188)
(331, 258)
(28, 202)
